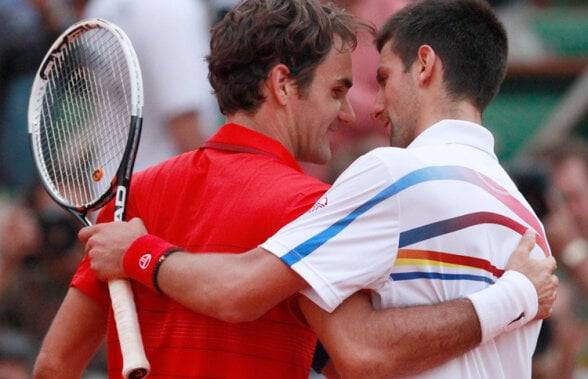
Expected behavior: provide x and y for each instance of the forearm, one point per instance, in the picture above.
(214, 285)
(405, 341)
(426, 335)
(394, 342)
(230, 287)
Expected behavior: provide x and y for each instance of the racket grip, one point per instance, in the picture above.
(135, 364)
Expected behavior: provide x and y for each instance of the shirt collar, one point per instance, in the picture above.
(238, 138)
(457, 132)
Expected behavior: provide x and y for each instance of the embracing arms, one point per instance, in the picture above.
(363, 342)
(242, 287)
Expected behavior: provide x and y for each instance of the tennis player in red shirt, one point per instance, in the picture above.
(281, 71)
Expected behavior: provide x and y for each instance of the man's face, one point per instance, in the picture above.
(571, 180)
(396, 103)
(323, 106)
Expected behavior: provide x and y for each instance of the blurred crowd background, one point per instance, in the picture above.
(539, 119)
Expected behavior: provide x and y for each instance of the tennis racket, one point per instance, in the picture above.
(84, 124)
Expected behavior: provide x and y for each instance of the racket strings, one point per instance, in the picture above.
(85, 117)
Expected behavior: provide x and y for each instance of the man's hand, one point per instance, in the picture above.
(539, 271)
(107, 243)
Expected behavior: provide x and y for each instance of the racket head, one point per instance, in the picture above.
(84, 115)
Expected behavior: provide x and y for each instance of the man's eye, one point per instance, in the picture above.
(337, 93)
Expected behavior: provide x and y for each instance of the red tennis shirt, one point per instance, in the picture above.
(229, 196)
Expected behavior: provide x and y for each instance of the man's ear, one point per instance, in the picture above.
(426, 63)
(280, 84)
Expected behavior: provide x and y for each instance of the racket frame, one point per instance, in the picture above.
(124, 171)
(135, 363)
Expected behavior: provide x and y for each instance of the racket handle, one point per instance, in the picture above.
(135, 364)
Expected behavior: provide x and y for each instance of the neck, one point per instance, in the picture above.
(461, 110)
(269, 126)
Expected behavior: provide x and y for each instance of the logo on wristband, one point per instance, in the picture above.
(144, 261)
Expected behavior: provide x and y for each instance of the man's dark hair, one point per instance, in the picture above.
(466, 35)
(256, 35)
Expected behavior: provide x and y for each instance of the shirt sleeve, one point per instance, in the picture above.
(342, 244)
(84, 278)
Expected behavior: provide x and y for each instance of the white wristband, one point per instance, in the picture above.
(507, 304)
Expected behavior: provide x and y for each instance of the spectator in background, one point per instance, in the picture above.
(221, 7)
(563, 336)
(171, 40)
(27, 32)
(19, 235)
(39, 252)
(567, 225)
(16, 351)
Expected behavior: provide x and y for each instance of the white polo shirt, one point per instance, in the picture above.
(433, 222)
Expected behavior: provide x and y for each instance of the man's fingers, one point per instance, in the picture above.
(85, 233)
(552, 263)
(136, 221)
(527, 243)
(547, 297)
(556, 280)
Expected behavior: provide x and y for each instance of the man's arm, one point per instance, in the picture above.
(242, 287)
(394, 342)
(363, 342)
(230, 287)
(75, 334)
(248, 286)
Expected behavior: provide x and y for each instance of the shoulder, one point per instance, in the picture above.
(383, 159)
(162, 176)
(287, 182)
(385, 153)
